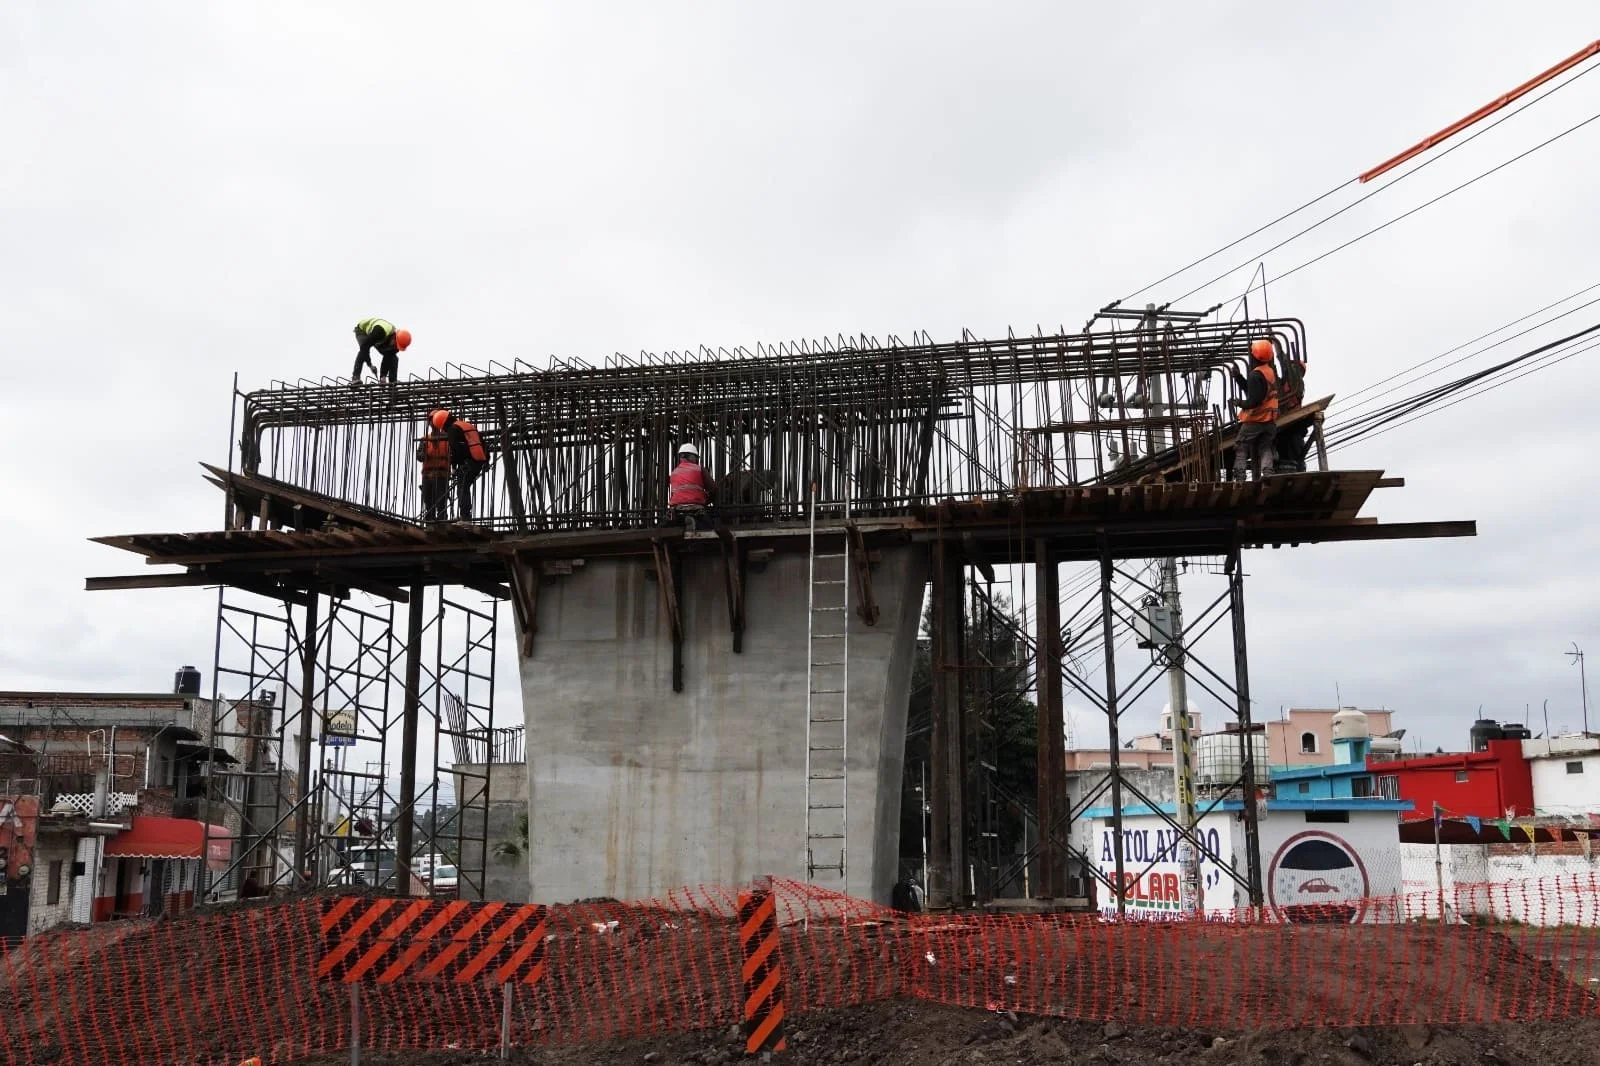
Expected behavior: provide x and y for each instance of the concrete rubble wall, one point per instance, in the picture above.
(635, 790)
(505, 877)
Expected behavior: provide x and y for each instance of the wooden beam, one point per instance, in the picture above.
(666, 578)
(733, 559)
(866, 603)
(123, 582)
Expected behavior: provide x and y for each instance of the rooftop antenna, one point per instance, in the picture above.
(1547, 718)
(1576, 655)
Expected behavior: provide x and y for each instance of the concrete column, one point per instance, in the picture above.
(947, 858)
(635, 790)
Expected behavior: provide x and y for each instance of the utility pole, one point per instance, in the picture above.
(1576, 655)
(1167, 635)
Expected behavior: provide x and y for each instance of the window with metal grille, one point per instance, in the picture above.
(53, 891)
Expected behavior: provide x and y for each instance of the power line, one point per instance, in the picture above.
(1474, 340)
(1355, 203)
(1429, 203)
(1347, 409)
(1400, 411)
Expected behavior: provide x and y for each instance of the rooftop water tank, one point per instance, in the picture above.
(1216, 759)
(1483, 731)
(186, 682)
(1515, 731)
(1350, 724)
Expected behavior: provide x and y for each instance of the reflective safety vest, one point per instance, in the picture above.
(435, 453)
(475, 448)
(687, 485)
(376, 328)
(1268, 409)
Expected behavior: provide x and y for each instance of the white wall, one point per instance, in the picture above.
(1555, 791)
(1548, 885)
(1303, 863)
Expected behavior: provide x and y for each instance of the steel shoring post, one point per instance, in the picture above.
(1247, 778)
(405, 816)
(1111, 727)
(308, 686)
(1051, 742)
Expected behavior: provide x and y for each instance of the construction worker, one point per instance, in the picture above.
(1258, 414)
(689, 487)
(433, 452)
(468, 457)
(1292, 445)
(390, 342)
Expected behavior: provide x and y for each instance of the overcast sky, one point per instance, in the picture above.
(193, 190)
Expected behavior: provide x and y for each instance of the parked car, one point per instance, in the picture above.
(443, 881)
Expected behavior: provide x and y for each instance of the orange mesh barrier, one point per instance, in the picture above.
(222, 987)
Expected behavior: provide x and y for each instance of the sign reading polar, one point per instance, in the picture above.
(1317, 877)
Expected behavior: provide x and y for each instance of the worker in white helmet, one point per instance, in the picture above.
(689, 488)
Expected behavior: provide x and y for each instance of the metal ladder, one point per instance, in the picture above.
(827, 706)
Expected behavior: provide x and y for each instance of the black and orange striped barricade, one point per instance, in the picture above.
(382, 941)
(763, 970)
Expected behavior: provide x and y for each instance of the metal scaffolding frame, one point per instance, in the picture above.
(319, 726)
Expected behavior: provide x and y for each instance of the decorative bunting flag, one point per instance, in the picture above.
(1476, 823)
(1504, 827)
(1527, 827)
(1438, 816)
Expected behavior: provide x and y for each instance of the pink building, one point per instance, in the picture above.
(1305, 737)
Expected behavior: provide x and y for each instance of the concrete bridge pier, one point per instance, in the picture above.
(635, 789)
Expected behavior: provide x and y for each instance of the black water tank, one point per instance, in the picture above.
(1483, 731)
(186, 682)
(1515, 731)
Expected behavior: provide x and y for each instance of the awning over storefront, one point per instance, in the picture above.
(172, 838)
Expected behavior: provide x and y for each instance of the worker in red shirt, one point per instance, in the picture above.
(689, 488)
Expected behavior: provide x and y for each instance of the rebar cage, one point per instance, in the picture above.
(880, 426)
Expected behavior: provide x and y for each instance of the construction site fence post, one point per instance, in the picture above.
(355, 1024)
(762, 971)
(506, 992)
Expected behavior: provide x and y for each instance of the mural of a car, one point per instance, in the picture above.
(1317, 886)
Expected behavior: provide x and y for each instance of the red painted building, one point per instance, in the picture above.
(1486, 784)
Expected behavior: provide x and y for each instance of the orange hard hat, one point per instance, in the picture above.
(439, 418)
(402, 339)
(1261, 350)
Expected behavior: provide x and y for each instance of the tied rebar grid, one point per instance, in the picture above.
(883, 427)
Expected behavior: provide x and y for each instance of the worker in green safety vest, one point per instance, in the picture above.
(390, 342)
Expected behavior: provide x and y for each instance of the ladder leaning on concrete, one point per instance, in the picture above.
(827, 705)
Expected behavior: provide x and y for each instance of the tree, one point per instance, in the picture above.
(516, 847)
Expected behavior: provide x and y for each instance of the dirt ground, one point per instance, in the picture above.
(911, 1033)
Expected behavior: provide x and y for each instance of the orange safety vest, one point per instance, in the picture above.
(687, 485)
(1268, 410)
(435, 456)
(475, 448)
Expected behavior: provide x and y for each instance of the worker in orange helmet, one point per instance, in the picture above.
(1258, 413)
(433, 452)
(468, 456)
(390, 342)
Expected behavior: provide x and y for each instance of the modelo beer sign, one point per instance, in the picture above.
(1154, 892)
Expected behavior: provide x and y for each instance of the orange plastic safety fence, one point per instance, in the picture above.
(222, 987)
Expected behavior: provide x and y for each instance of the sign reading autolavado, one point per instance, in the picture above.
(1317, 876)
(1151, 885)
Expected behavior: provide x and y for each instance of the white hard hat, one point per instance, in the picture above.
(688, 449)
